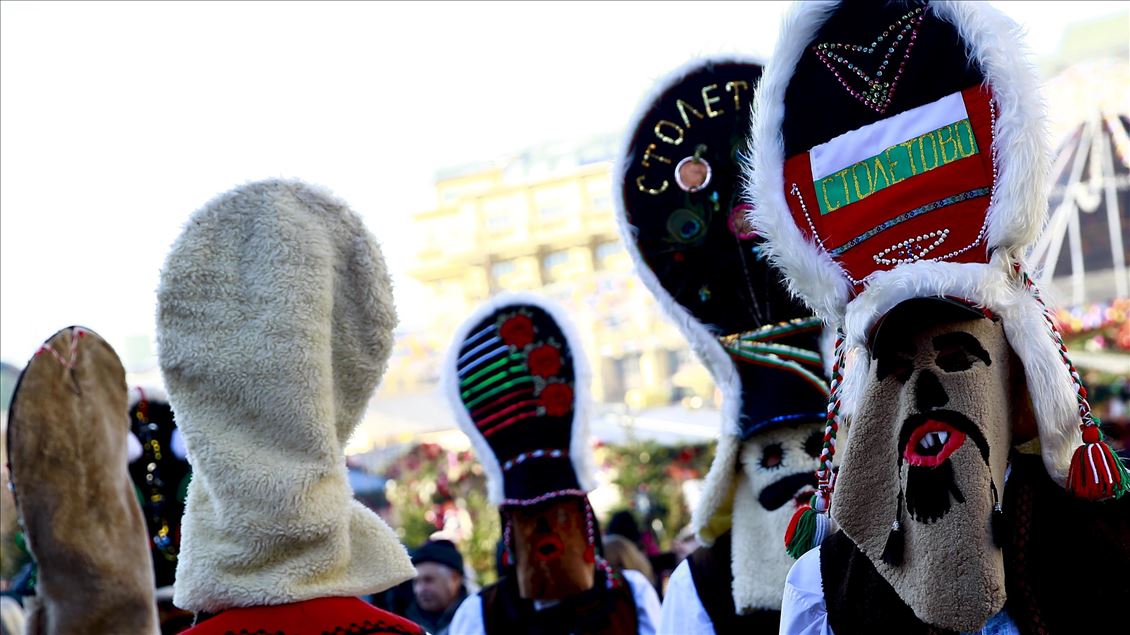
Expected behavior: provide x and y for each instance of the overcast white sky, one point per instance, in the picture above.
(117, 120)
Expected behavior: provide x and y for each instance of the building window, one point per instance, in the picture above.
(606, 251)
(602, 202)
(554, 263)
(627, 368)
(502, 269)
(600, 194)
(552, 210)
(501, 213)
(556, 259)
(557, 202)
(497, 222)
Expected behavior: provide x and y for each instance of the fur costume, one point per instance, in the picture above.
(67, 447)
(696, 253)
(275, 319)
(898, 154)
(518, 385)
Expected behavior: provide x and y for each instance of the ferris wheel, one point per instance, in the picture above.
(1082, 252)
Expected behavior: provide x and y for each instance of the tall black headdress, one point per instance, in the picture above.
(683, 219)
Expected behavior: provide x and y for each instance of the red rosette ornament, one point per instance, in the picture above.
(517, 331)
(557, 399)
(544, 361)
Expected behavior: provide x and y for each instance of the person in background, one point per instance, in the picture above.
(623, 554)
(519, 389)
(438, 589)
(624, 524)
(684, 544)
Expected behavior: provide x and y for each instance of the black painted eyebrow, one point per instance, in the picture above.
(965, 342)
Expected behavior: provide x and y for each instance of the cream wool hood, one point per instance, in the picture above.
(275, 318)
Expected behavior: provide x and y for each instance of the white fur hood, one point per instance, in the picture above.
(275, 318)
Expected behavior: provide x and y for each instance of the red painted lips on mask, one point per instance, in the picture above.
(548, 548)
(931, 443)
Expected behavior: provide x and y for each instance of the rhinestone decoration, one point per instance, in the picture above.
(880, 88)
(912, 249)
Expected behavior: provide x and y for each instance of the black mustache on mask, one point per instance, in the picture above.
(928, 491)
(784, 490)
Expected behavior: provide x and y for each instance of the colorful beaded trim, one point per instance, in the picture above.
(755, 347)
(535, 454)
(878, 92)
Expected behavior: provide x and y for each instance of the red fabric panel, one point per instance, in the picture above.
(963, 220)
(312, 617)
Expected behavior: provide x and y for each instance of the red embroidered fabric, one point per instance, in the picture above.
(870, 217)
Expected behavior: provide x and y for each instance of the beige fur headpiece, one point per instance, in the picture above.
(275, 319)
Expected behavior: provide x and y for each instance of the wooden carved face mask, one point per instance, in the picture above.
(929, 446)
(552, 550)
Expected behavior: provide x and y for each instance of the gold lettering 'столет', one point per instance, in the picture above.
(668, 131)
(897, 163)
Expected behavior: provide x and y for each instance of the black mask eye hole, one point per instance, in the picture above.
(772, 456)
(954, 360)
(959, 351)
(814, 444)
(899, 366)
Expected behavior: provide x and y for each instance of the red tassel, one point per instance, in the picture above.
(590, 554)
(1095, 472)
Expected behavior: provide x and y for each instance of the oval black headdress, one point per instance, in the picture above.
(684, 221)
(518, 384)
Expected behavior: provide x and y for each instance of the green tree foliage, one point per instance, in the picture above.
(650, 479)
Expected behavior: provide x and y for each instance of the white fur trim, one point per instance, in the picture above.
(1020, 204)
(716, 499)
(580, 449)
(274, 324)
(810, 272)
(1019, 207)
(1049, 382)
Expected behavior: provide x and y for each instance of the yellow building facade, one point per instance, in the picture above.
(551, 231)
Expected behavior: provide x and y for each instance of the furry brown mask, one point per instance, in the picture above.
(552, 549)
(67, 436)
(933, 432)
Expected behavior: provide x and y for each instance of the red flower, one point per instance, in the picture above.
(544, 361)
(557, 399)
(517, 331)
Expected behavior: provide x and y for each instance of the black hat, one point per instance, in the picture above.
(440, 552)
